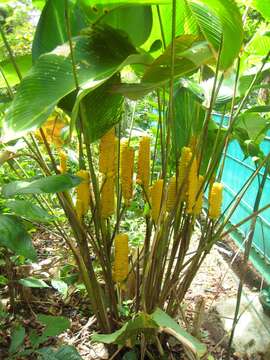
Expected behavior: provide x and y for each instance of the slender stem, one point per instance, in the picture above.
(10, 53)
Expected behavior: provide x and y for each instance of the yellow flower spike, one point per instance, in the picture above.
(171, 194)
(143, 171)
(107, 198)
(215, 200)
(79, 209)
(199, 202)
(192, 185)
(121, 257)
(156, 195)
(107, 152)
(126, 170)
(83, 191)
(185, 158)
(63, 161)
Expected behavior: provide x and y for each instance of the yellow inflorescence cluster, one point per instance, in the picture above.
(63, 161)
(107, 198)
(192, 186)
(171, 194)
(107, 153)
(156, 196)
(121, 257)
(107, 166)
(143, 171)
(83, 194)
(126, 170)
(215, 200)
(185, 158)
(199, 203)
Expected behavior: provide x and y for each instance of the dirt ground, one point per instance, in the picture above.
(215, 280)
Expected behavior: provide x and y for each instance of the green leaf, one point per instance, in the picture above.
(23, 62)
(97, 55)
(65, 352)
(220, 21)
(259, 109)
(47, 185)
(51, 29)
(103, 109)
(17, 338)
(263, 7)
(60, 286)
(254, 125)
(32, 282)
(54, 325)
(258, 45)
(3, 280)
(14, 236)
(130, 330)
(188, 117)
(29, 211)
(190, 55)
(163, 320)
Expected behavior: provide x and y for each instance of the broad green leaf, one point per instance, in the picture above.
(263, 7)
(259, 109)
(32, 282)
(39, 4)
(51, 29)
(254, 125)
(190, 55)
(129, 331)
(163, 320)
(23, 62)
(102, 109)
(14, 236)
(3, 280)
(65, 352)
(258, 45)
(51, 78)
(188, 118)
(46, 185)
(220, 21)
(54, 325)
(17, 338)
(60, 286)
(29, 211)
(83, 13)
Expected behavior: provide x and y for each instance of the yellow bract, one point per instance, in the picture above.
(107, 197)
(83, 193)
(107, 153)
(199, 202)
(156, 196)
(63, 161)
(121, 257)
(143, 171)
(185, 158)
(171, 194)
(192, 185)
(126, 170)
(215, 200)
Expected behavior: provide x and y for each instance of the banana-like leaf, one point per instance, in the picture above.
(263, 6)
(47, 185)
(14, 237)
(51, 30)
(258, 45)
(98, 56)
(217, 20)
(190, 54)
(29, 211)
(23, 62)
(147, 324)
